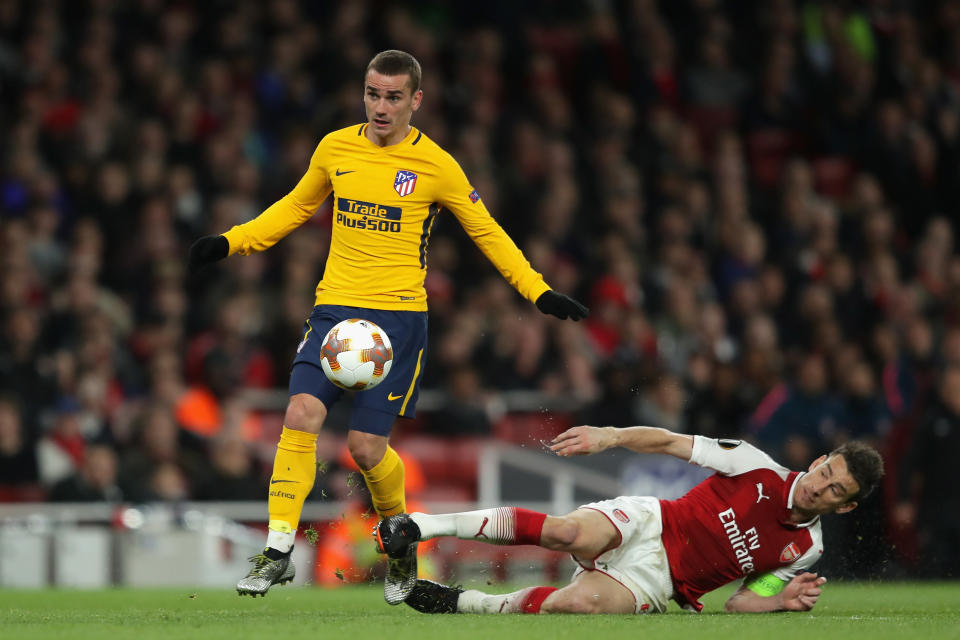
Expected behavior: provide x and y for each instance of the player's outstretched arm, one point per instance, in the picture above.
(207, 250)
(800, 594)
(561, 306)
(584, 440)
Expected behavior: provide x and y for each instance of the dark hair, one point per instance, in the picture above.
(864, 464)
(396, 63)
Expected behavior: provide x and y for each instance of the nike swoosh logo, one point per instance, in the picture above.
(392, 397)
(276, 481)
(343, 173)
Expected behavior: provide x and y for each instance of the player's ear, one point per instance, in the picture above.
(417, 97)
(817, 462)
(847, 507)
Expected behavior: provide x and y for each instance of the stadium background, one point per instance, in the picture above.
(757, 200)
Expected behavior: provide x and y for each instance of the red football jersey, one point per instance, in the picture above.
(735, 523)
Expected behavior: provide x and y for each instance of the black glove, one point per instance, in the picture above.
(207, 250)
(557, 304)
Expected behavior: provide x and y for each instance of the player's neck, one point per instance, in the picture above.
(798, 516)
(391, 139)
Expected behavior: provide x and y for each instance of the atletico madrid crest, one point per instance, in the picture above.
(405, 182)
(790, 553)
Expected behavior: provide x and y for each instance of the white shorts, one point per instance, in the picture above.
(639, 561)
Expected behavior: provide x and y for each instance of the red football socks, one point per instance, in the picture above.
(527, 527)
(532, 601)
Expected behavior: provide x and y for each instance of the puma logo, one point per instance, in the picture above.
(480, 533)
(760, 495)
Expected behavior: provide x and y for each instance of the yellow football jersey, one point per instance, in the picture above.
(385, 203)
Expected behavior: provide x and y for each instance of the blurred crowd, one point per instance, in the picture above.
(758, 201)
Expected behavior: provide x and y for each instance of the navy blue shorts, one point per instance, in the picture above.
(374, 410)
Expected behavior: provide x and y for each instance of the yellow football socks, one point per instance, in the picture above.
(385, 482)
(294, 470)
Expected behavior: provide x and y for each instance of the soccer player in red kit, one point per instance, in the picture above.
(753, 520)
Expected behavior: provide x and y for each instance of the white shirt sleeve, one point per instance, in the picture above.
(732, 457)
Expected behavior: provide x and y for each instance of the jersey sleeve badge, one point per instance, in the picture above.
(729, 444)
(790, 553)
(474, 196)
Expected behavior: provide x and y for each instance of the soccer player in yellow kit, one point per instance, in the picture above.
(389, 182)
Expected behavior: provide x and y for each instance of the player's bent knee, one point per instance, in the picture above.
(305, 413)
(366, 449)
(561, 533)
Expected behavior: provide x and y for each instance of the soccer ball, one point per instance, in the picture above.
(356, 354)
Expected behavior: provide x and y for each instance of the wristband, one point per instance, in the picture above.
(765, 585)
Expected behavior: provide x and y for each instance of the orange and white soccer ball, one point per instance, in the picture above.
(356, 354)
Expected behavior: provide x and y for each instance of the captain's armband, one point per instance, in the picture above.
(765, 584)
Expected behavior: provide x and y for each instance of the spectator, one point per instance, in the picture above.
(159, 464)
(807, 417)
(18, 460)
(865, 416)
(923, 493)
(61, 451)
(96, 481)
(166, 483)
(232, 476)
(466, 405)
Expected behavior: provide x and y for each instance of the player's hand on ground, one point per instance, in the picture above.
(557, 304)
(802, 592)
(579, 441)
(207, 250)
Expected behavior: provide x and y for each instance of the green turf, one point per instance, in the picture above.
(846, 611)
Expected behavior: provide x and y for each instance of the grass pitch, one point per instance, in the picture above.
(846, 611)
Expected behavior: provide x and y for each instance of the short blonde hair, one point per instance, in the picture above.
(393, 62)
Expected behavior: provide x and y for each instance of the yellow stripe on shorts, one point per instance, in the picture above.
(416, 374)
